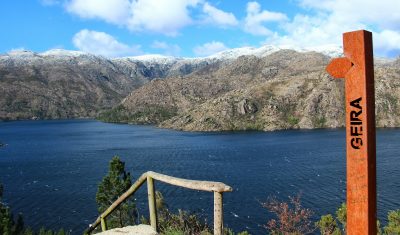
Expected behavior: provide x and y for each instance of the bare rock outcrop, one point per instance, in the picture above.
(269, 89)
(284, 90)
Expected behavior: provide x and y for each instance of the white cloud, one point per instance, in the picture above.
(309, 31)
(328, 19)
(219, 17)
(387, 41)
(101, 43)
(168, 49)
(111, 11)
(165, 17)
(255, 18)
(209, 48)
(383, 13)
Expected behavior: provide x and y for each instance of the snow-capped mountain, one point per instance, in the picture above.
(151, 59)
(62, 84)
(49, 53)
(329, 50)
(62, 52)
(231, 54)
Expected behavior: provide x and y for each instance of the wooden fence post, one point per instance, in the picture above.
(103, 224)
(218, 213)
(152, 202)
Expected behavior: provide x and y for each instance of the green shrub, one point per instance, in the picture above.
(183, 222)
(327, 225)
(292, 120)
(319, 122)
(180, 223)
(393, 226)
(341, 215)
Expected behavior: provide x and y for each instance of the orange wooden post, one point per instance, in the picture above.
(358, 70)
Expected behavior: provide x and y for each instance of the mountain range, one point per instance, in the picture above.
(266, 88)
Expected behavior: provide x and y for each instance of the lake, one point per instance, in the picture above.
(51, 169)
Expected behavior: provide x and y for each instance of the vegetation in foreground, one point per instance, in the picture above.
(290, 218)
(336, 225)
(114, 184)
(118, 180)
(293, 219)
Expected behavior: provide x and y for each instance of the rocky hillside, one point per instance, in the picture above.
(62, 84)
(70, 84)
(282, 90)
(265, 88)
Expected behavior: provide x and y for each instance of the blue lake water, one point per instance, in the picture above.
(51, 169)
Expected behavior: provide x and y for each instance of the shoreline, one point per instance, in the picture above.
(188, 131)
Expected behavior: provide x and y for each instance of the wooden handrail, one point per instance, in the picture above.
(217, 187)
(208, 186)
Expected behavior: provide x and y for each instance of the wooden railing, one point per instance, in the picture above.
(217, 188)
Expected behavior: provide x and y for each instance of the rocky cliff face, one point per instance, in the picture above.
(62, 84)
(70, 84)
(259, 89)
(283, 90)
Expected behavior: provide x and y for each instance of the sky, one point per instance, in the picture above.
(192, 28)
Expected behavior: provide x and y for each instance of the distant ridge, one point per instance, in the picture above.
(329, 50)
(265, 88)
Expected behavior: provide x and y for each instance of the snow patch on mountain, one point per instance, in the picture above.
(329, 50)
(62, 52)
(150, 59)
(21, 53)
(231, 54)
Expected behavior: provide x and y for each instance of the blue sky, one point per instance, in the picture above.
(189, 28)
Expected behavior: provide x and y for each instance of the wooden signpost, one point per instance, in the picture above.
(358, 70)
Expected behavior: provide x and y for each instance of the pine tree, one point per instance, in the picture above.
(6, 217)
(341, 215)
(113, 185)
(19, 226)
